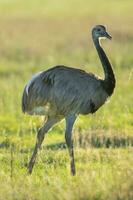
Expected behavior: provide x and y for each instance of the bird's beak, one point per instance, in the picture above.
(108, 36)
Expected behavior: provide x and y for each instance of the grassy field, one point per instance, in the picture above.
(35, 35)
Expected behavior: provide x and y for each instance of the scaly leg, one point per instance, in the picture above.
(40, 137)
(68, 136)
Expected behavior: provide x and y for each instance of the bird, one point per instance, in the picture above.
(63, 92)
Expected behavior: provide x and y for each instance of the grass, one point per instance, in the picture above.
(35, 35)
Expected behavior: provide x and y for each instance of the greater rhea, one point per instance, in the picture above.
(65, 92)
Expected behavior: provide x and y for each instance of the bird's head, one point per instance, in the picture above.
(99, 32)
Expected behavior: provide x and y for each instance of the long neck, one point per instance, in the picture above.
(109, 80)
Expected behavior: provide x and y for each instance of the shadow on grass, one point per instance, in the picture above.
(99, 141)
(82, 141)
(96, 141)
(56, 146)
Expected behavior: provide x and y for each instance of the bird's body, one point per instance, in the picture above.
(65, 92)
(62, 91)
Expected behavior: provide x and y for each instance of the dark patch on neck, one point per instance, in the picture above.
(109, 85)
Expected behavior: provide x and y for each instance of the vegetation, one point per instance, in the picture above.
(35, 35)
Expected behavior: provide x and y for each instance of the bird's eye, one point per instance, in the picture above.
(98, 29)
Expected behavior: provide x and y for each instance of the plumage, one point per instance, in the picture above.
(31, 81)
(65, 92)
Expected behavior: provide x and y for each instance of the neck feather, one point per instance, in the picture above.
(109, 80)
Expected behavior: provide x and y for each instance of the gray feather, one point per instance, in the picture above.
(63, 90)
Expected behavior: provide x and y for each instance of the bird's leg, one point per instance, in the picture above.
(68, 136)
(40, 137)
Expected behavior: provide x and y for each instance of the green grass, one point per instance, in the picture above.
(35, 35)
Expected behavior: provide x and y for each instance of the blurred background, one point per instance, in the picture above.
(38, 34)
